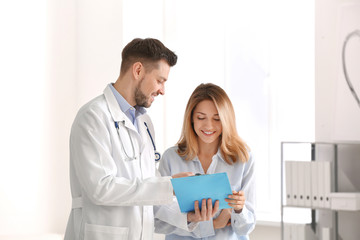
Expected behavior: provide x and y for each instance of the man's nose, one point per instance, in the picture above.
(162, 89)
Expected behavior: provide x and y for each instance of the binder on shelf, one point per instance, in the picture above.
(307, 183)
(296, 231)
(327, 184)
(287, 231)
(321, 184)
(288, 184)
(300, 231)
(300, 166)
(295, 183)
(314, 184)
(325, 233)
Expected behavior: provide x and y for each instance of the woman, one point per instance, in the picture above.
(209, 144)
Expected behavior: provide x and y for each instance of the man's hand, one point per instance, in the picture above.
(237, 201)
(182, 174)
(224, 219)
(207, 211)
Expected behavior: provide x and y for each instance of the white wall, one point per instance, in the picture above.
(37, 99)
(337, 115)
(327, 60)
(61, 91)
(326, 68)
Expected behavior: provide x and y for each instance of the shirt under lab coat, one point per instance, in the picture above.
(169, 220)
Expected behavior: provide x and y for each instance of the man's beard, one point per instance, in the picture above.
(140, 98)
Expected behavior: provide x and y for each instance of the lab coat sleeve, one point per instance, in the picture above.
(244, 223)
(96, 170)
(169, 219)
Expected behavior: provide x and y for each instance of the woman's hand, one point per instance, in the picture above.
(223, 220)
(236, 200)
(206, 213)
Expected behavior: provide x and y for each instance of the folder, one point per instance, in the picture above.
(301, 182)
(307, 183)
(295, 183)
(327, 184)
(296, 231)
(321, 184)
(326, 233)
(288, 184)
(189, 189)
(300, 231)
(287, 231)
(315, 185)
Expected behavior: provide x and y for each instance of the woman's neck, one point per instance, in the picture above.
(206, 152)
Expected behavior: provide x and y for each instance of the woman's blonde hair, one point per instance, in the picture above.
(232, 147)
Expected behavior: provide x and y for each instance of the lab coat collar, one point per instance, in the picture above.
(124, 105)
(115, 111)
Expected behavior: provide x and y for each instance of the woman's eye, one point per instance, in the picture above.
(200, 118)
(217, 119)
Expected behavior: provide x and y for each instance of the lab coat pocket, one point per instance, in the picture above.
(100, 232)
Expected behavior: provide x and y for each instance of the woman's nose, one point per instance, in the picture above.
(208, 124)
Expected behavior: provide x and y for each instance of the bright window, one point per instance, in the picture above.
(261, 52)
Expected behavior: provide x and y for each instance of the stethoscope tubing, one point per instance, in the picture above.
(157, 154)
(121, 142)
(351, 87)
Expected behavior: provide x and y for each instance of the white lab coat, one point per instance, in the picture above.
(112, 195)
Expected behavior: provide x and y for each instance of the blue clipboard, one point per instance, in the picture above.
(189, 189)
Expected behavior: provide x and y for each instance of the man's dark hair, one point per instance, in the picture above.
(148, 51)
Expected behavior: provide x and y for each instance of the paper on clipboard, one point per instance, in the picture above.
(189, 189)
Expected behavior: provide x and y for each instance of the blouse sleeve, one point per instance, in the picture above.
(244, 223)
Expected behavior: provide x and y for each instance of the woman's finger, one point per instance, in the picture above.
(209, 209)
(197, 210)
(216, 207)
(203, 209)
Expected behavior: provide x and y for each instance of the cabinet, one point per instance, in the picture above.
(320, 191)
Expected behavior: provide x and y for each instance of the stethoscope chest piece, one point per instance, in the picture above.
(157, 156)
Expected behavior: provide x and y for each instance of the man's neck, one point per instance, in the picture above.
(124, 85)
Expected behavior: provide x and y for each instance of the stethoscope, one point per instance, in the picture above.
(157, 154)
(351, 87)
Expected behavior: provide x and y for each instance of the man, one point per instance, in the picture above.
(112, 159)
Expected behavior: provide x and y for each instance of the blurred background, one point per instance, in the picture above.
(276, 59)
